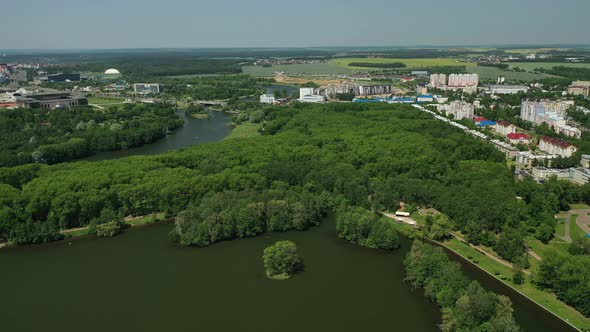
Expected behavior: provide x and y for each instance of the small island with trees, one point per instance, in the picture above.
(281, 260)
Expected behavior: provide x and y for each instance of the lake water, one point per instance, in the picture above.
(193, 131)
(141, 281)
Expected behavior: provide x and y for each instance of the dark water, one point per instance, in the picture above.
(140, 281)
(290, 89)
(193, 131)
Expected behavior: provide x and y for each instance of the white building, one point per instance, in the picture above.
(556, 146)
(527, 158)
(309, 95)
(459, 109)
(503, 89)
(580, 176)
(551, 112)
(267, 99)
(146, 88)
(504, 128)
(543, 173)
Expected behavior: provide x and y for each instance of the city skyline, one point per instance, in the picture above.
(68, 24)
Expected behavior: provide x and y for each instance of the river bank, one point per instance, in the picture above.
(503, 274)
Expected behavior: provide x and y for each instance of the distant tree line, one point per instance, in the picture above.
(378, 64)
(54, 136)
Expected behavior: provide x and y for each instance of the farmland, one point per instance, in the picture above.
(530, 66)
(491, 73)
(326, 68)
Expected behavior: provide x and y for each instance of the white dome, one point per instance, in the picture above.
(112, 71)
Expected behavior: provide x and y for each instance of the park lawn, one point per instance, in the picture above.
(575, 231)
(105, 101)
(560, 227)
(580, 206)
(544, 250)
(148, 219)
(546, 299)
(410, 63)
(245, 130)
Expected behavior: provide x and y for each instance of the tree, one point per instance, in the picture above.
(281, 260)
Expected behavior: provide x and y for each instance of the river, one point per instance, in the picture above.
(193, 131)
(141, 281)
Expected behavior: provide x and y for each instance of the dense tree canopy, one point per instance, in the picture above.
(53, 136)
(281, 260)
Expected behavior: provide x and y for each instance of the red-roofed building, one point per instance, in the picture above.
(504, 128)
(556, 146)
(515, 138)
(479, 119)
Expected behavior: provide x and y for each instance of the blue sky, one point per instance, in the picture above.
(37, 24)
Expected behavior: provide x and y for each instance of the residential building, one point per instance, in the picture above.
(421, 89)
(503, 89)
(585, 161)
(568, 131)
(543, 173)
(504, 128)
(556, 146)
(459, 109)
(528, 159)
(306, 92)
(438, 81)
(508, 149)
(146, 88)
(465, 82)
(419, 73)
(267, 99)
(369, 90)
(579, 88)
(551, 112)
(579, 176)
(516, 138)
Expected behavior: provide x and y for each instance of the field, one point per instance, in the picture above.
(103, 101)
(245, 130)
(410, 63)
(492, 73)
(326, 68)
(530, 66)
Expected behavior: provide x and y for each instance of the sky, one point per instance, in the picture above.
(94, 24)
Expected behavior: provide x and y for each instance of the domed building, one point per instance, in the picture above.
(112, 73)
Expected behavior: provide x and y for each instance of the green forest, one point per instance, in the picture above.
(308, 160)
(54, 136)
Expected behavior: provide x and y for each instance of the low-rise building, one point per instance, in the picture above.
(543, 173)
(568, 131)
(46, 99)
(528, 159)
(579, 176)
(585, 161)
(508, 149)
(504, 128)
(556, 146)
(267, 99)
(579, 88)
(424, 98)
(421, 89)
(504, 89)
(146, 88)
(517, 138)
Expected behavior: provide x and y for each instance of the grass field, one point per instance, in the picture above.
(560, 227)
(492, 73)
(245, 130)
(410, 63)
(325, 68)
(546, 299)
(530, 66)
(101, 101)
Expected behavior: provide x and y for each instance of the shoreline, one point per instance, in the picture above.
(467, 260)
